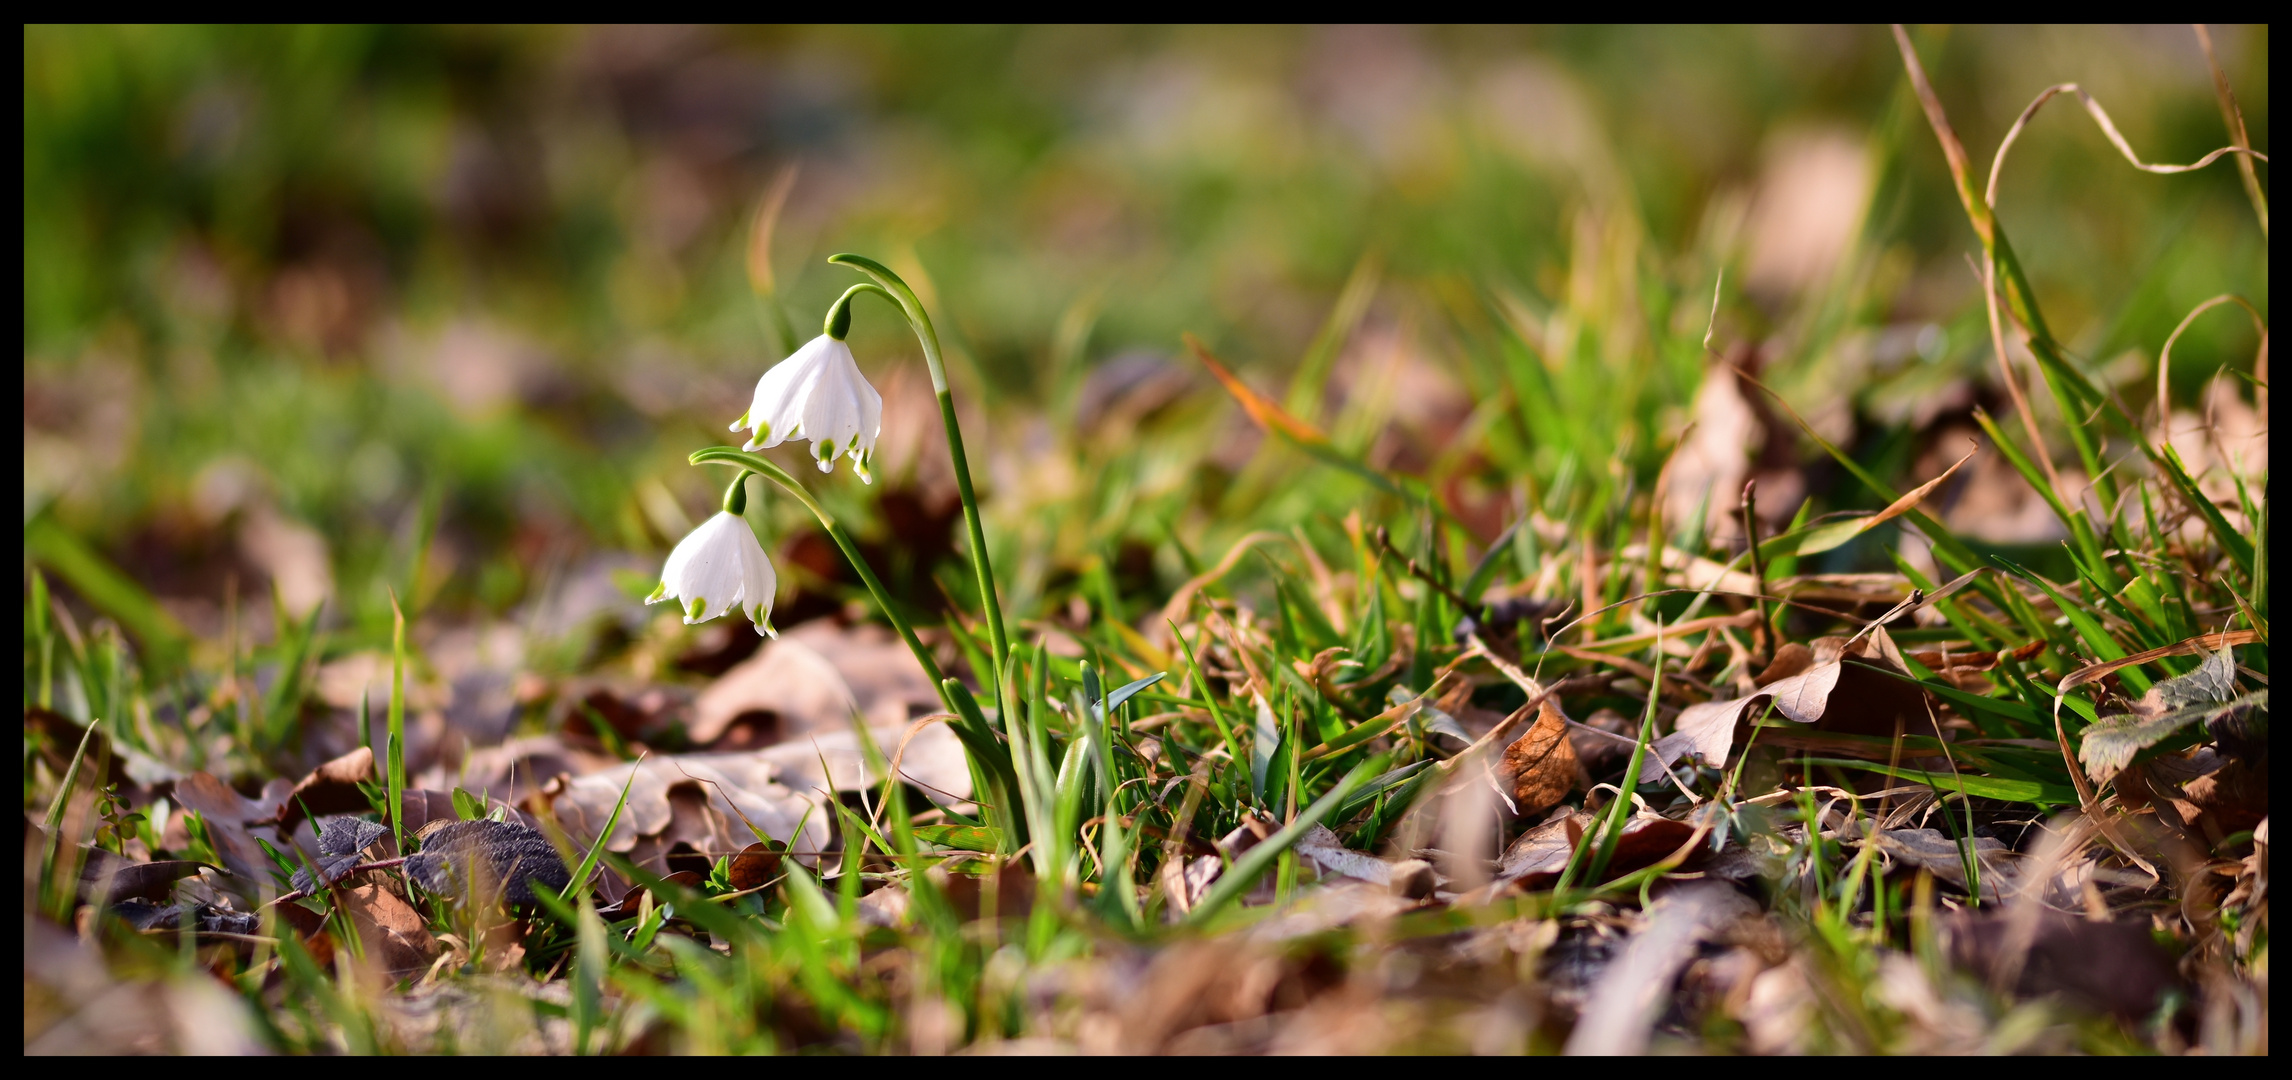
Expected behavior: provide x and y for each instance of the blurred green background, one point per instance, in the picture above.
(444, 308)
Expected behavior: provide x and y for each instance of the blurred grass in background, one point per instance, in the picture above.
(444, 309)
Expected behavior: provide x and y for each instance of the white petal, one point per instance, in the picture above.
(758, 583)
(774, 411)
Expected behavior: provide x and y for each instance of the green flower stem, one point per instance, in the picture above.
(752, 463)
(976, 736)
(897, 290)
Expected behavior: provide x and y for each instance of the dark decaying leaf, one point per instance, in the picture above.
(342, 843)
(755, 866)
(206, 918)
(488, 858)
(631, 903)
(1536, 859)
(2111, 967)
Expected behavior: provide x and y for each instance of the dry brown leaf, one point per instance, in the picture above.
(397, 942)
(1836, 685)
(214, 800)
(1536, 860)
(1542, 763)
(332, 788)
(813, 679)
(755, 866)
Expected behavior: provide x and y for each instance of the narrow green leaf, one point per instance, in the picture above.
(1983, 787)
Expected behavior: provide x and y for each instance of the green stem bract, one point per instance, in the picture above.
(897, 290)
(736, 496)
(838, 324)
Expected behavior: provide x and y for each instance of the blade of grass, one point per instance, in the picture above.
(394, 761)
(580, 880)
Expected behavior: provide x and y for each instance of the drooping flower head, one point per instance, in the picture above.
(719, 568)
(819, 394)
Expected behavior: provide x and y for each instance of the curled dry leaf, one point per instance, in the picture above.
(1542, 762)
(1835, 686)
(114, 879)
(1536, 860)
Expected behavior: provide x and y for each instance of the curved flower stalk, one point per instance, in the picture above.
(720, 567)
(892, 288)
(818, 393)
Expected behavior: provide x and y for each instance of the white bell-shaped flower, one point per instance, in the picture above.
(720, 568)
(818, 394)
